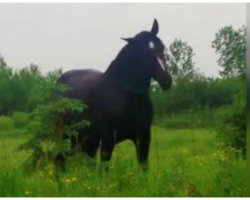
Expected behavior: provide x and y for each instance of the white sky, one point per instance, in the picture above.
(73, 36)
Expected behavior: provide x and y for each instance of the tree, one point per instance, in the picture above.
(6, 85)
(52, 132)
(2, 61)
(233, 129)
(181, 59)
(230, 44)
(19, 88)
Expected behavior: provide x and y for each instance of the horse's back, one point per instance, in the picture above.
(79, 77)
(80, 83)
(96, 91)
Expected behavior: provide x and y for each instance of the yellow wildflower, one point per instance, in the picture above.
(67, 181)
(27, 192)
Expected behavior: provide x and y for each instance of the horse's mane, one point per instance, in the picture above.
(130, 56)
(126, 68)
(115, 64)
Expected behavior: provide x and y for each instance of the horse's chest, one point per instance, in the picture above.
(122, 109)
(107, 105)
(138, 110)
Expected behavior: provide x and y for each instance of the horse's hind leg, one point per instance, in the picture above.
(142, 147)
(60, 162)
(89, 142)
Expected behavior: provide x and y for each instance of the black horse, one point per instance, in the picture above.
(119, 105)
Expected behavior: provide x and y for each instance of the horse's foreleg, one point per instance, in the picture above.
(142, 147)
(107, 147)
(92, 145)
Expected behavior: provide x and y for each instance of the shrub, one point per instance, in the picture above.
(51, 131)
(193, 118)
(233, 129)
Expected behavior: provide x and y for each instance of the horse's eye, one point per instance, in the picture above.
(151, 45)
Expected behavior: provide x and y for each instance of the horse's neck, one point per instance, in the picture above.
(125, 73)
(112, 70)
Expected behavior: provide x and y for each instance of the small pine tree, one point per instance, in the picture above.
(52, 135)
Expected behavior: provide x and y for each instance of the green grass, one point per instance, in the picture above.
(182, 163)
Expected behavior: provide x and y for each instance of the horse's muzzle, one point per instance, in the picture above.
(165, 81)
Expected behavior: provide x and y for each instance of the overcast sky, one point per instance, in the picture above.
(72, 36)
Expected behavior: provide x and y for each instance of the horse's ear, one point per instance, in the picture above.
(155, 28)
(128, 39)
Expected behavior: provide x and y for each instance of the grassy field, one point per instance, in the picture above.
(182, 162)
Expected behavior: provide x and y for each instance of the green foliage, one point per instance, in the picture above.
(52, 130)
(200, 93)
(230, 44)
(6, 85)
(21, 89)
(192, 119)
(20, 119)
(232, 130)
(42, 92)
(16, 87)
(181, 59)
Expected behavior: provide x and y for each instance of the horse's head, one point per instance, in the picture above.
(154, 55)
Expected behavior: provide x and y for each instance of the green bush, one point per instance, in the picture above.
(52, 133)
(200, 93)
(196, 118)
(19, 87)
(232, 130)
